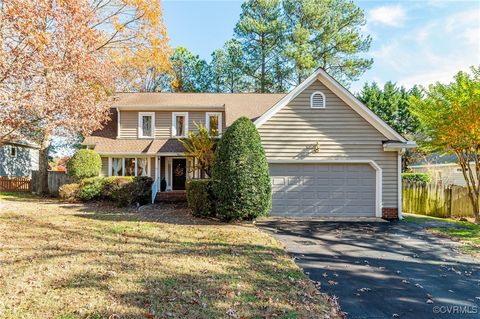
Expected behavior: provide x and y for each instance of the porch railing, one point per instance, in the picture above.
(155, 188)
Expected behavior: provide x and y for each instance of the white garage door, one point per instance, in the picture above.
(302, 189)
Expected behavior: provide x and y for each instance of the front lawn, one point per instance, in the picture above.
(465, 232)
(75, 261)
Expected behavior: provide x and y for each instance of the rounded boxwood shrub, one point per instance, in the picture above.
(84, 164)
(240, 172)
(200, 197)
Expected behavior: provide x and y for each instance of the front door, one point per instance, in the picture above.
(179, 173)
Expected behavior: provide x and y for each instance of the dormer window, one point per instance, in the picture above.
(146, 124)
(317, 100)
(213, 123)
(179, 124)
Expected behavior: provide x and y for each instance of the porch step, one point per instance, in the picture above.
(171, 197)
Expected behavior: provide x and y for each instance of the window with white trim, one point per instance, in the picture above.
(179, 124)
(317, 100)
(146, 124)
(129, 166)
(213, 123)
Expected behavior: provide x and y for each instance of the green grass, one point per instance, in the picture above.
(17, 196)
(466, 232)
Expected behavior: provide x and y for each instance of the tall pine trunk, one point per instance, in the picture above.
(42, 177)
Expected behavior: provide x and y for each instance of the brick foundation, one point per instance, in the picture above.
(389, 213)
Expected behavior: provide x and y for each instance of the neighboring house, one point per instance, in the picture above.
(443, 173)
(18, 159)
(329, 155)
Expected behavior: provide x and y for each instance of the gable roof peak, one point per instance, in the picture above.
(322, 76)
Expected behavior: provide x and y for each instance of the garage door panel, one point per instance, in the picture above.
(303, 189)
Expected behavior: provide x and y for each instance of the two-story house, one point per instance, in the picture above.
(329, 155)
(142, 137)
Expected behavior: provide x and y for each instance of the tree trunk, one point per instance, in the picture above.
(263, 66)
(472, 185)
(42, 177)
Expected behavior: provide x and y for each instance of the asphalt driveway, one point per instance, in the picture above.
(383, 270)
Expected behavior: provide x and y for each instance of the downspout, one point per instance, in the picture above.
(400, 188)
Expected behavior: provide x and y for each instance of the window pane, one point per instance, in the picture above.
(117, 164)
(142, 167)
(180, 126)
(213, 119)
(129, 167)
(147, 126)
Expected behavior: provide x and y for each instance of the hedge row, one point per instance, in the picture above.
(124, 191)
(417, 177)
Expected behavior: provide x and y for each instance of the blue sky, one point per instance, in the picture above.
(414, 42)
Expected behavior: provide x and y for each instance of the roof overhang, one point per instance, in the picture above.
(23, 144)
(343, 94)
(171, 107)
(398, 146)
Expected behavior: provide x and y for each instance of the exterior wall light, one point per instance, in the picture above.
(316, 148)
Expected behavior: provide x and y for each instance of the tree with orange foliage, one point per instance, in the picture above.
(450, 119)
(135, 36)
(64, 87)
(58, 59)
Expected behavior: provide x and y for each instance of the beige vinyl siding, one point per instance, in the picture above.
(104, 170)
(163, 123)
(195, 117)
(128, 124)
(342, 134)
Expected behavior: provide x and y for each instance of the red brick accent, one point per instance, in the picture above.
(389, 213)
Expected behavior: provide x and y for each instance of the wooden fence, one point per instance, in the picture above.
(55, 180)
(436, 200)
(15, 184)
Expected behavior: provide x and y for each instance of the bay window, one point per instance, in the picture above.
(213, 123)
(129, 166)
(146, 124)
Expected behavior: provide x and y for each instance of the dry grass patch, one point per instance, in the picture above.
(75, 261)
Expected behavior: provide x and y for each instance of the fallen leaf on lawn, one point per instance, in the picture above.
(363, 289)
(332, 283)
(231, 313)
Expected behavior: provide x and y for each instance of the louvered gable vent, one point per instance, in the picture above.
(317, 100)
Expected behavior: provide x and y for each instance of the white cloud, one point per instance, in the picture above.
(393, 16)
(431, 52)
